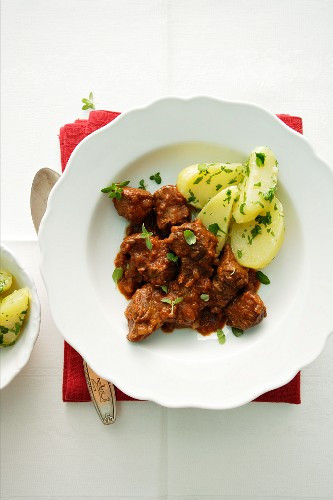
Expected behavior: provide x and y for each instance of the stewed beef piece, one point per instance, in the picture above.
(171, 208)
(196, 248)
(143, 264)
(245, 311)
(135, 204)
(230, 277)
(146, 312)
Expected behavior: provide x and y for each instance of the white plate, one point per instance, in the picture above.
(81, 233)
(14, 358)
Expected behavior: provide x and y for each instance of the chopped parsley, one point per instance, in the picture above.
(269, 195)
(220, 336)
(233, 181)
(202, 167)
(266, 220)
(214, 228)
(198, 179)
(228, 198)
(263, 278)
(146, 235)
(258, 184)
(218, 187)
(117, 274)
(255, 231)
(156, 177)
(239, 254)
(115, 190)
(260, 159)
(190, 237)
(241, 208)
(192, 198)
(164, 288)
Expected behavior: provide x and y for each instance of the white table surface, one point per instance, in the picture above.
(275, 53)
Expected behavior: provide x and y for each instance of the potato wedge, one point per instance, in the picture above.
(216, 214)
(6, 280)
(258, 185)
(13, 309)
(199, 183)
(256, 243)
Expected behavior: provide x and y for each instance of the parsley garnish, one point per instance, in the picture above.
(228, 198)
(214, 228)
(237, 331)
(241, 208)
(260, 159)
(239, 254)
(255, 231)
(115, 190)
(117, 274)
(156, 177)
(198, 179)
(263, 278)
(266, 220)
(192, 198)
(270, 194)
(142, 184)
(258, 184)
(164, 288)
(221, 336)
(172, 302)
(146, 235)
(233, 181)
(88, 103)
(202, 167)
(172, 257)
(204, 297)
(190, 237)
(218, 186)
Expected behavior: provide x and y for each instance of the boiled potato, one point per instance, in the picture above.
(256, 243)
(199, 183)
(6, 280)
(216, 214)
(258, 185)
(13, 309)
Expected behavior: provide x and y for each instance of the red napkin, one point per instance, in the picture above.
(74, 387)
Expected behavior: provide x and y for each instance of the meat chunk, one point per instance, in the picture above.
(253, 283)
(171, 208)
(229, 279)
(186, 312)
(134, 204)
(245, 311)
(146, 312)
(197, 257)
(141, 264)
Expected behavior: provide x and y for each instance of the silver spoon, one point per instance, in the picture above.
(101, 391)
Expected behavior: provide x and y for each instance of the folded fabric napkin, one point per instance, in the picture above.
(74, 384)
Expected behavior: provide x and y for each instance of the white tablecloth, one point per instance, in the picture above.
(275, 53)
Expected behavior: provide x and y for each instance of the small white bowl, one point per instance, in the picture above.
(14, 358)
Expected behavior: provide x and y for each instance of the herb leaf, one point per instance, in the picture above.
(266, 220)
(239, 254)
(164, 288)
(156, 177)
(142, 184)
(204, 297)
(192, 198)
(214, 228)
(172, 302)
(190, 237)
(260, 159)
(237, 331)
(263, 278)
(88, 103)
(117, 274)
(221, 336)
(172, 257)
(146, 235)
(115, 190)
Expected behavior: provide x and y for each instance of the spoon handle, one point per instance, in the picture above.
(101, 391)
(102, 394)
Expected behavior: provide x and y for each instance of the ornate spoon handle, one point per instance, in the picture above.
(102, 394)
